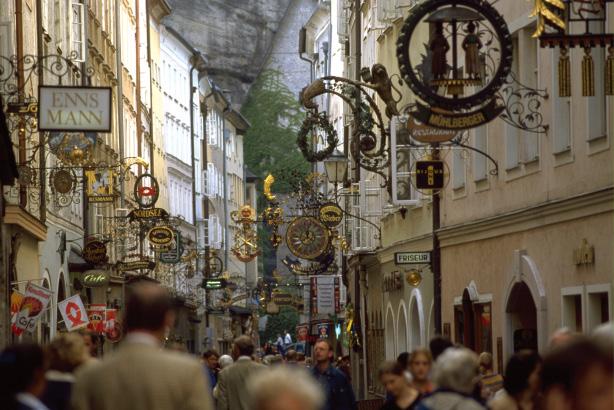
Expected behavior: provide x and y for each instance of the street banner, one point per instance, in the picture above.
(112, 327)
(96, 315)
(35, 302)
(73, 312)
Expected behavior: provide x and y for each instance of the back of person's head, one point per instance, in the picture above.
(21, 366)
(225, 361)
(67, 351)
(275, 360)
(300, 357)
(147, 307)
(291, 355)
(485, 360)
(284, 387)
(518, 369)
(560, 337)
(244, 346)
(457, 369)
(569, 370)
(403, 359)
(438, 345)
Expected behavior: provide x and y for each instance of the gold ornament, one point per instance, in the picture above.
(413, 278)
(588, 74)
(564, 74)
(543, 9)
(609, 72)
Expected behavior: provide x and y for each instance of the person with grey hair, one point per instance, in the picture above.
(284, 388)
(225, 361)
(455, 374)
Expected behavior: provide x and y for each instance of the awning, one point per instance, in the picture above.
(8, 165)
(76, 263)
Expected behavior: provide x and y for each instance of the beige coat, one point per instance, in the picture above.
(232, 384)
(142, 377)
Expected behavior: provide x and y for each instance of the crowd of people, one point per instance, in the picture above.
(576, 372)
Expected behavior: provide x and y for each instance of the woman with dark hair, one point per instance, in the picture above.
(402, 396)
(22, 377)
(578, 376)
(520, 383)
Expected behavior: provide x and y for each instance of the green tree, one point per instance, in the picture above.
(286, 319)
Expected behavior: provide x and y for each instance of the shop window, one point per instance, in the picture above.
(572, 311)
(473, 324)
(598, 307)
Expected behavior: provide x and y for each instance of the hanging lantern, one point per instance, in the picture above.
(609, 72)
(588, 74)
(564, 74)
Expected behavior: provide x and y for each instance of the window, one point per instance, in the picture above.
(58, 23)
(597, 104)
(479, 160)
(77, 33)
(458, 169)
(561, 110)
(598, 309)
(473, 325)
(512, 133)
(571, 312)
(529, 76)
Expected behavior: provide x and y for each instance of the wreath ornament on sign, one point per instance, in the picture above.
(311, 122)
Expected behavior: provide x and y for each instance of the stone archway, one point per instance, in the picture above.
(389, 331)
(402, 342)
(521, 315)
(525, 285)
(416, 320)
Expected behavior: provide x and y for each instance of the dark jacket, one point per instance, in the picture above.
(57, 393)
(337, 389)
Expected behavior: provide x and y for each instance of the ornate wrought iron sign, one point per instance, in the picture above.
(465, 63)
(146, 190)
(95, 278)
(173, 254)
(160, 236)
(139, 264)
(307, 237)
(100, 185)
(245, 246)
(147, 213)
(430, 174)
(330, 214)
(67, 108)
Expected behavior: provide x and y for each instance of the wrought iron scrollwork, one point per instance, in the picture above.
(522, 105)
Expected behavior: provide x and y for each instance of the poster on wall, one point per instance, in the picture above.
(112, 326)
(323, 330)
(96, 315)
(73, 312)
(326, 300)
(35, 302)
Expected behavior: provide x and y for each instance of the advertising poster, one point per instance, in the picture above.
(326, 295)
(302, 333)
(73, 312)
(96, 315)
(16, 301)
(112, 327)
(323, 330)
(35, 302)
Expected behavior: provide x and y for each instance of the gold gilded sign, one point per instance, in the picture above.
(330, 214)
(147, 213)
(99, 185)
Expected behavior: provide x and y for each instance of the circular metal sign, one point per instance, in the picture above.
(63, 181)
(330, 214)
(160, 236)
(146, 190)
(307, 237)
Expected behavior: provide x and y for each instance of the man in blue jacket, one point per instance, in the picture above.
(337, 388)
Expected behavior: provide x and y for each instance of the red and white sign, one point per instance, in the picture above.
(112, 326)
(35, 302)
(74, 313)
(96, 315)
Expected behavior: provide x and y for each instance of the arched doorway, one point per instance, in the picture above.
(389, 332)
(414, 316)
(521, 314)
(402, 330)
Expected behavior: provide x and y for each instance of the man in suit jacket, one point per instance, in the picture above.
(141, 375)
(232, 381)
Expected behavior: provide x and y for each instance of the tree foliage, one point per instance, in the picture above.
(286, 319)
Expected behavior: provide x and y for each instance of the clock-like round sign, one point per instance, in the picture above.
(307, 237)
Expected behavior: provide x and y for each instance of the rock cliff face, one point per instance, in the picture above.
(236, 36)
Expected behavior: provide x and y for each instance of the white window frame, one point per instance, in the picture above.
(480, 164)
(77, 45)
(561, 110)
(593, 290)
(395, 175)
(459, 171)
(573, 291)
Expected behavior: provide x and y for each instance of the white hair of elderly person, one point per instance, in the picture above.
(285, 388)
(225, 361)
(456, 373)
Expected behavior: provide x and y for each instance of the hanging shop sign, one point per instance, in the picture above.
(147, 213)
(62, 180)
(136, 265)
(413, 277)
(308, 268)
(35, 302)
(283, 298)
(22, 108)
(95, 252)
(330, 214)
(95, 278)
(82, 109)
(99, 185)
(215, 284)
(173, 254)
(160, 236)
(245, 246)
(427, 134)
(146, 190)
(403, 258)
(215, 265)
(430, 174)
(467, 61)
(73, 312)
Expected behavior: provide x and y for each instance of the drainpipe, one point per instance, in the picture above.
(120, 96)
(23, 194)
(41, 138)
(193, 160)
(226, 242)
(139, 119)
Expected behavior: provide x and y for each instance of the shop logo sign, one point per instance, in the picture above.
(160, 236)
(95, 252)
(330, 214)
(95, 278)
(77, 109)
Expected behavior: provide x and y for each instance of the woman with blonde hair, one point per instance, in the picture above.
(419, 365)
(66, 353)
(284, 388)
